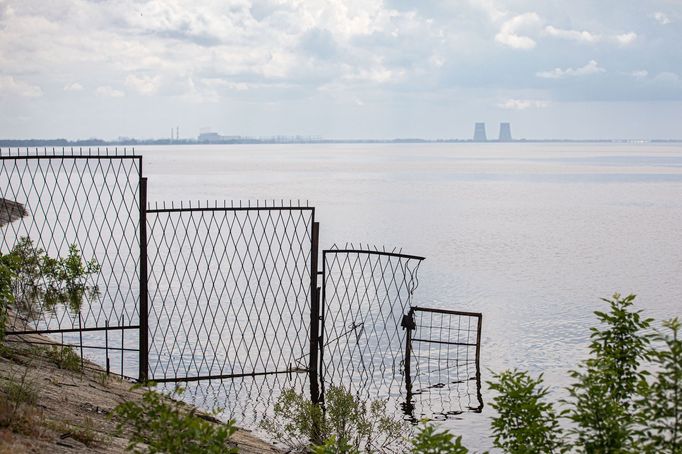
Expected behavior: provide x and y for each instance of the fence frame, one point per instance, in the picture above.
(313, 298)
(410, 325)
(89, 155)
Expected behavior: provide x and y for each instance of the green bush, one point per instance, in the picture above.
(660, 404)
(32, 281)
(165, 425)
(64, 357)
(347, 425)
(604, 393)
(428, 441)
(6, 296)
(525, 422)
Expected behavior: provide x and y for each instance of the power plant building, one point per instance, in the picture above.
(479, 133)
(505, 132)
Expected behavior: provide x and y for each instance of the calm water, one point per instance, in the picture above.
(531, 235)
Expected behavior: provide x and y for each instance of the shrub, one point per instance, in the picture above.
(64, 357)
(6, 297)
(428, 441)
(525, 422)
(348, 424)
(661, 401)
(40, 282)
(603, 396)
(165, 426)
(17, 407)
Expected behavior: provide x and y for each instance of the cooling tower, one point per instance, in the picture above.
(479, 133)
(505, 132)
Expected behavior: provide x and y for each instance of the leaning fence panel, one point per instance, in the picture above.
(229, 292)
(366, 294)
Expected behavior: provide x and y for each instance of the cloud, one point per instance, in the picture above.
(10, 85)
(626, 38)
(661, 18)
(109, 92)
(574, 35)
(639, 73)
(667, 77)
(523, 104)
(592, 67)
(145, 85)
(73, 87)
(508, 34)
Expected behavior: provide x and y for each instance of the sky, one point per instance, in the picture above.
(340, 69)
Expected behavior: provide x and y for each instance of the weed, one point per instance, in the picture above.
(64, 358)
(164, 425)
(83, 433)
(348, 425)
(17, 411)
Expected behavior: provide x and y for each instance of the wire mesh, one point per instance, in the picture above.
(366, 294)
(445, 369)
(229, 291)
(90, 199)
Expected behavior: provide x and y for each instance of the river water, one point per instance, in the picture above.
(531, 235)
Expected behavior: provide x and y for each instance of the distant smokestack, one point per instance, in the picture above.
(505, 132)
(479, 133)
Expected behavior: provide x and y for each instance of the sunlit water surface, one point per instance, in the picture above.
(531, 235)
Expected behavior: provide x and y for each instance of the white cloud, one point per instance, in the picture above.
(145, 85)
(667, 77)
(109, 92)
(592, 67)
(523, 104)
(509, 36)
(661, 18)
(73, 87)
(626, 38)
(575, 35)
(11, 86)
(639, 73)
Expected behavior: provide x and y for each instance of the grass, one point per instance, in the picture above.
(84, 433)
(64, 358)
(17, 409)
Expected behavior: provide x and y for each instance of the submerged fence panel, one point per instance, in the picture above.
(229, 291)
(91, 200)
(443, 377)
(365, 294)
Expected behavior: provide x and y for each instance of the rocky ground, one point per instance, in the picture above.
(46, 407)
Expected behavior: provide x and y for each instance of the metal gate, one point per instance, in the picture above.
(442, 362)
(229, 291)
(90, 199)
(365, 294)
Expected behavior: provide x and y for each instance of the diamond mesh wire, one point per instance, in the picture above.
(445, 369)
(229, 291)
(248, 400)
(366, 294)
(89, 199)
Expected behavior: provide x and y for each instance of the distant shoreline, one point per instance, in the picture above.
(61, 143)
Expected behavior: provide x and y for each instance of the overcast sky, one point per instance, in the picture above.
(354, 68)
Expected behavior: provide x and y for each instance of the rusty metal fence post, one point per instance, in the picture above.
(314, 317)
(144, 292)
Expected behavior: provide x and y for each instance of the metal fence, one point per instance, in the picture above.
(227, 296)
(229, 291)
(365, 295)
(90, 199)
(442, 363)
